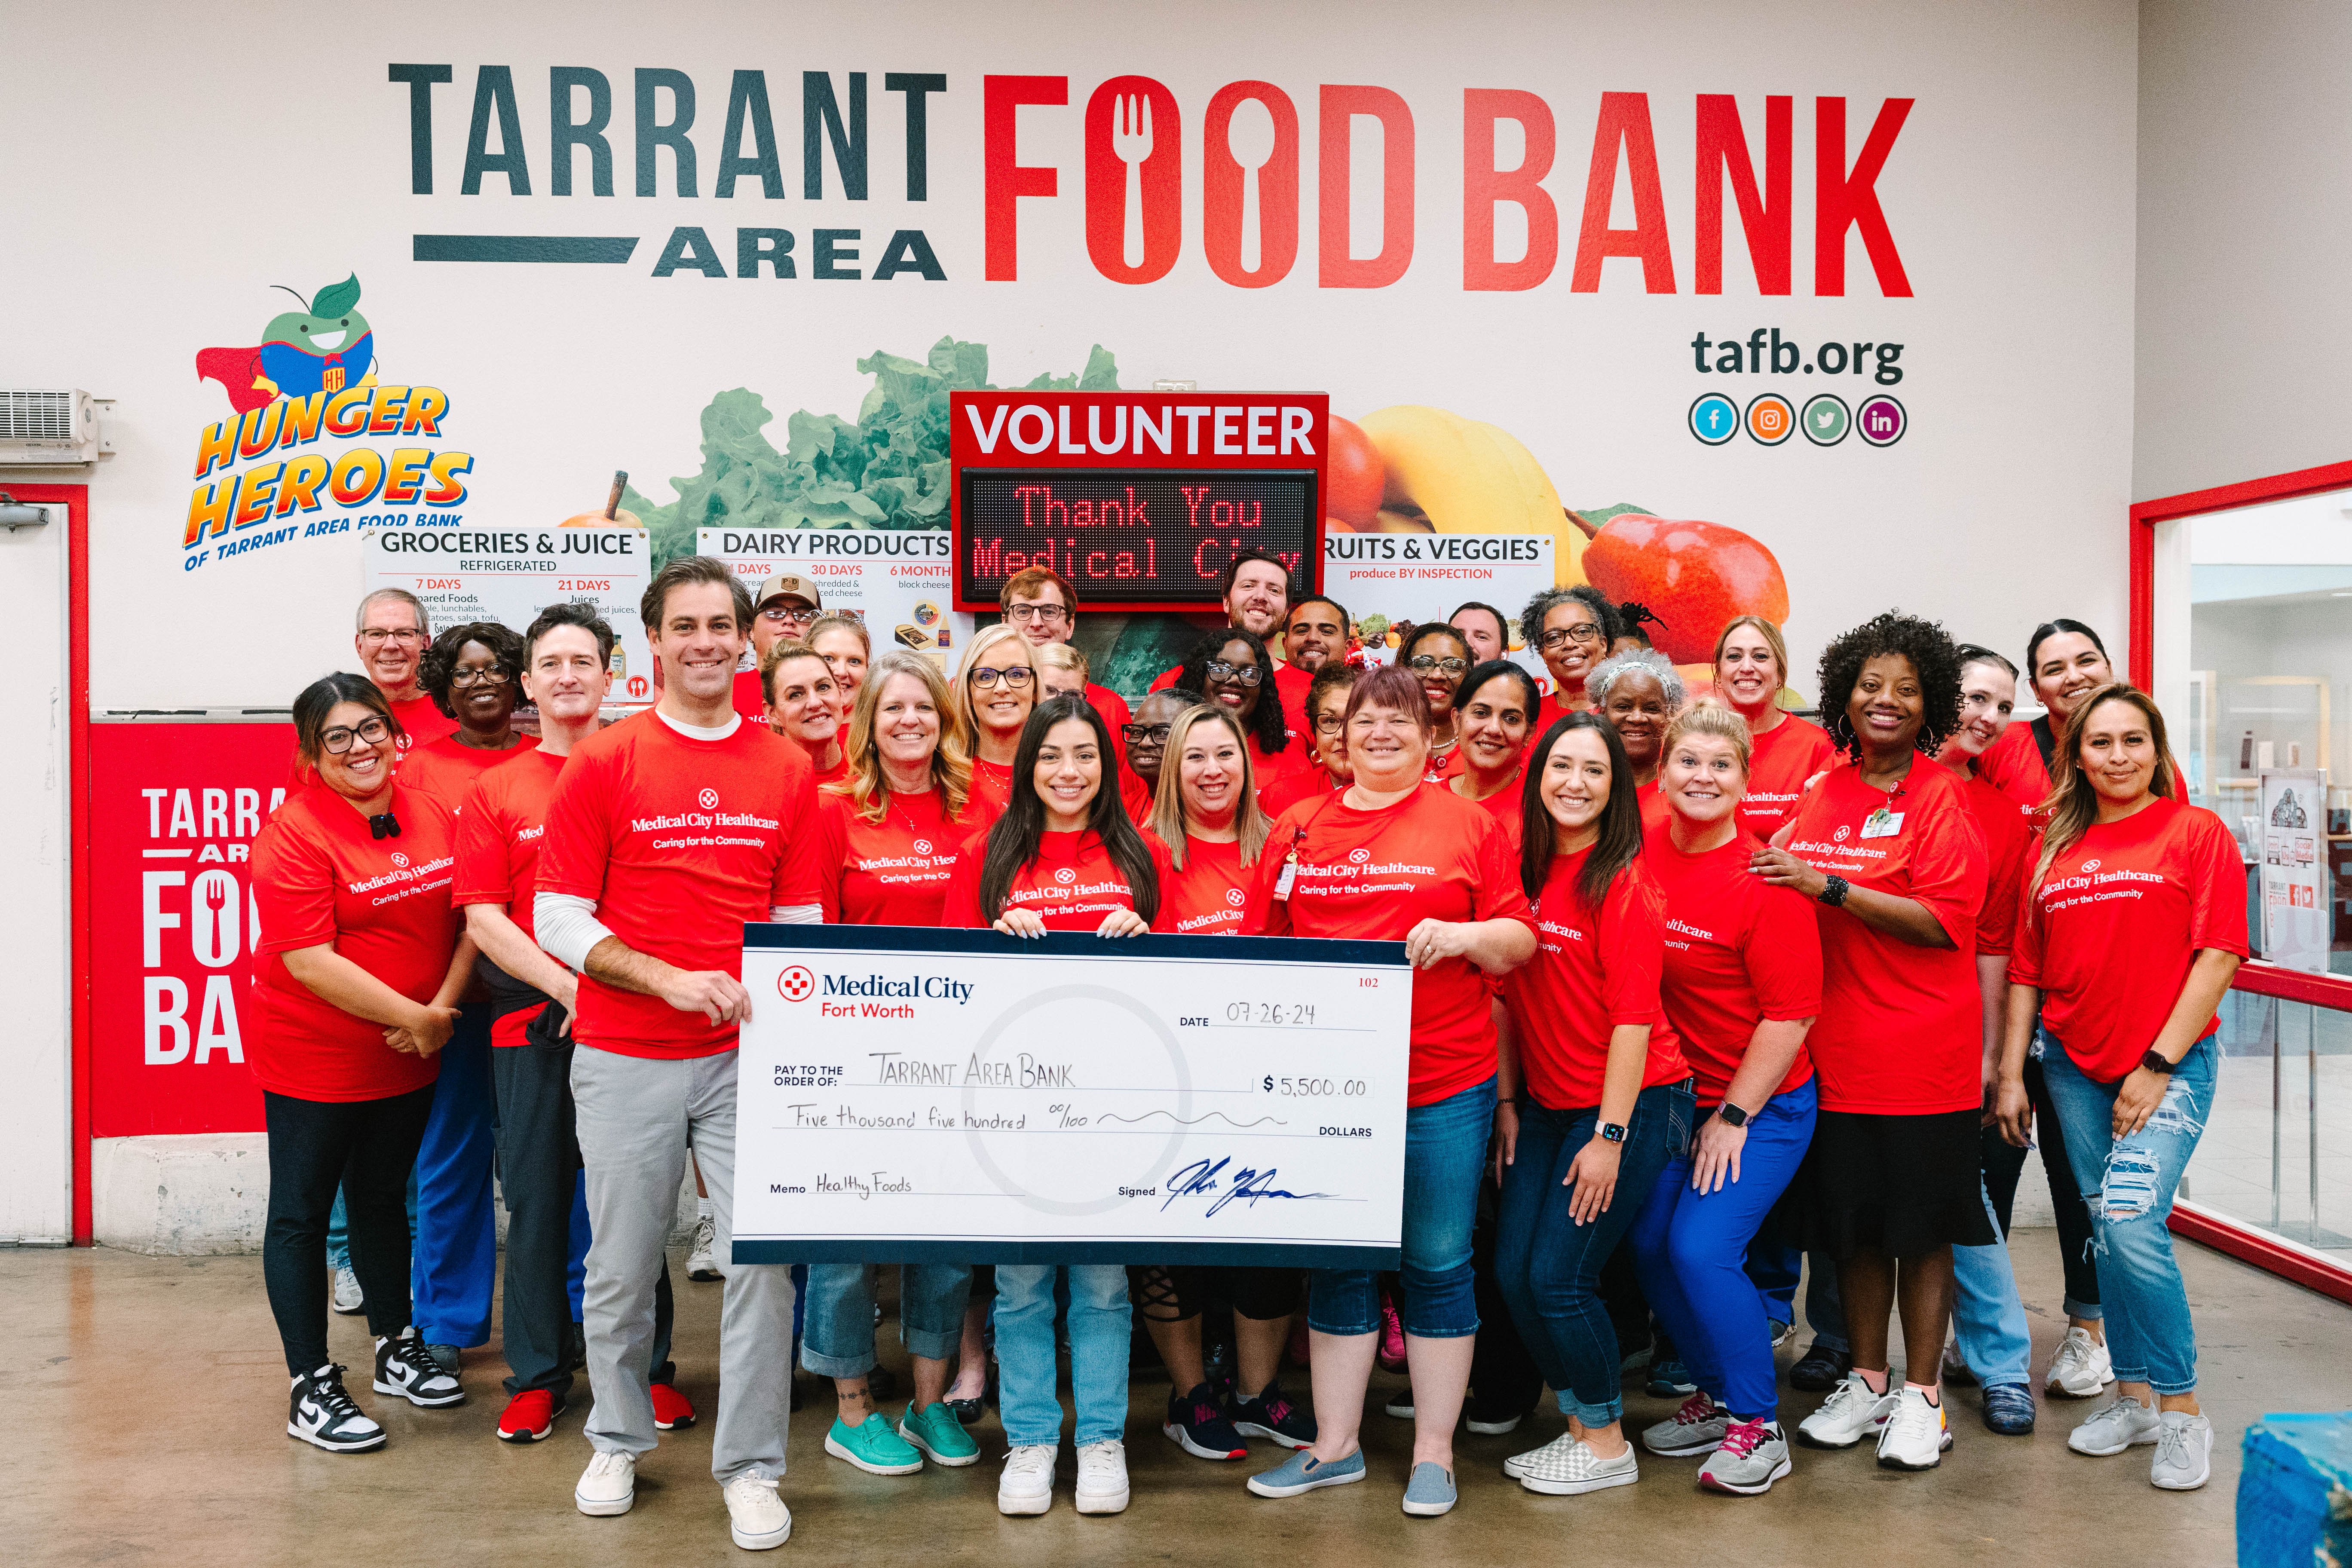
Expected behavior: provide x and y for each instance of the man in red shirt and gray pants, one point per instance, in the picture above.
(669, 831)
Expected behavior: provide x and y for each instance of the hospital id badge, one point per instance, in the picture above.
(1882, 824)
(1282, 883)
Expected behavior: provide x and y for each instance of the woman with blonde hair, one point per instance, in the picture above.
(1752, 667)
(2133, 925)
(994, 692)
(889, 834)
(843, 643)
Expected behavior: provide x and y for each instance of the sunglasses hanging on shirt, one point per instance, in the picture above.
(384, 825)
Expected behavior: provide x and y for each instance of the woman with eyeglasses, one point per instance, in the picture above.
(358, 971)
(843, 643)
(805, 705)
(1594, 1096)
(1438, 657)
(1447, 889)
(1497, 703)
(1638, 694)
(891, 832)
(1328, 770)
(1063, 829)
(994, 692)
(473, 673)
(1751, 670)
(2133, 925)
(1231, 668)
(1886, 847)
(1207, 815)
(1573, 629)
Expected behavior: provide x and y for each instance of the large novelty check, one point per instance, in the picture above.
(914, 1095)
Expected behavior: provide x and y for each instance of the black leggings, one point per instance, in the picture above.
(368, 1146)
(2004, 1162)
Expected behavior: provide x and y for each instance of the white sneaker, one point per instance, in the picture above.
(2184, 1452)
(2082, 1366)
(1915, 1434)
(1575, 1469)
(1027, 1484)
(1102, 1476)
(699, 1265)
(2122, 1423)
(608, 1486)
(348, 1298)
(1849, 1414)
(756, 1514)
(1698, 1427)
(1518, 1464)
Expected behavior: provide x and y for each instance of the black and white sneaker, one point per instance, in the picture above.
(405, 1367)
(323, 1414)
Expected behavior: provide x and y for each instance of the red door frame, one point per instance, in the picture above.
(2332, 990)
(75, 499)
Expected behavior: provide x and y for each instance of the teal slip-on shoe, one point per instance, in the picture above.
(873, 1448)
(936, 1431)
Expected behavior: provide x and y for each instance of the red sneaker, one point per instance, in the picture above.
(672, 1410)
(528, 1416)
(1391, 1346)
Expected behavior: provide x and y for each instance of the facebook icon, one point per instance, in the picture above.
(1713, 419)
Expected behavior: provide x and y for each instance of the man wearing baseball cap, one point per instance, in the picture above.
(781, 607)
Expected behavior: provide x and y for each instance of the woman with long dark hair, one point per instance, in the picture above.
(1594, 1094)
(1494, 706)
(1885, 845)
(1063, 829)
(1232, 668)
(1445, 889)
(2134, 923)
(360, 966)
(2065, 663)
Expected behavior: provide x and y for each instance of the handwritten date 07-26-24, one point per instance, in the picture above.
(1271, 1013)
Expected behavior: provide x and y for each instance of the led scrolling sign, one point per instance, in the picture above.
(1139, 500)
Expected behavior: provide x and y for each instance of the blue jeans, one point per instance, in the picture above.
(1988, 1318)
(838, 1337)
(1547, 1265)
(454, 1267)
(1101, 1324)
(2128, 1185)
(1690, 1249)
(1444, 1151)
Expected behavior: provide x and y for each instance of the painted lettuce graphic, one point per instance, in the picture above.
(886, 469)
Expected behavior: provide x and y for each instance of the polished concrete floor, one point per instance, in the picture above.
(146, 1400)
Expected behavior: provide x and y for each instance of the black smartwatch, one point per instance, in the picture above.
(1833, 892)
(1732, 1115)
(1612, 1132)
(2156, 1063)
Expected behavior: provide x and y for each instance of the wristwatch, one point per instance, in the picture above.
(1833, 892)
(1732, 1115)
(1612, 1132)
(2155, 1062)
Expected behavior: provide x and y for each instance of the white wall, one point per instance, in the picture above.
(35, 1110)
(2244, 222)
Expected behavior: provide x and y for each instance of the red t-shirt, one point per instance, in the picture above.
(1738, 950)
(1113, 709)
(1290, 684)
(1072, 885)
(1901, 1030)
(893, 873)
(1504, 804)
(680, 842)
(1278, 794)
(2009, 842)
(498, 836)
(1209, 897)
(823, 776)
(1655, 809)
(1375, 875)
(1588, 976)
(750, 698)
(1291, 759)
(991, 787)
(1134, 794)
(320, 877)
(1444, 766)
(445, 769)
(1784, 758)
(1549, 712)
(2111, 931)
(2013, 765)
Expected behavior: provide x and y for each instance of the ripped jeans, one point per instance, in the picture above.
(2129, 1184)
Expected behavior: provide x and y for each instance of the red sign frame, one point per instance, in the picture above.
(1236, 432)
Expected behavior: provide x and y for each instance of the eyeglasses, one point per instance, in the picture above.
(337, 740)
(1016, 677)
(1244, 674)
(1427, 662)
(1138, 734)
(462, 679)
(1583, 631)
(1328, 723)
(1044, 615)
(377, 636)
(787, 615)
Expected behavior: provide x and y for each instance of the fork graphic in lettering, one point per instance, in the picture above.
(1130, 139)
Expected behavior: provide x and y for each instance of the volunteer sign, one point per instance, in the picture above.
(915, 1094)
(510, 574)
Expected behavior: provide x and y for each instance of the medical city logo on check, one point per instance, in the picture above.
(796, 985)
(871, 996)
